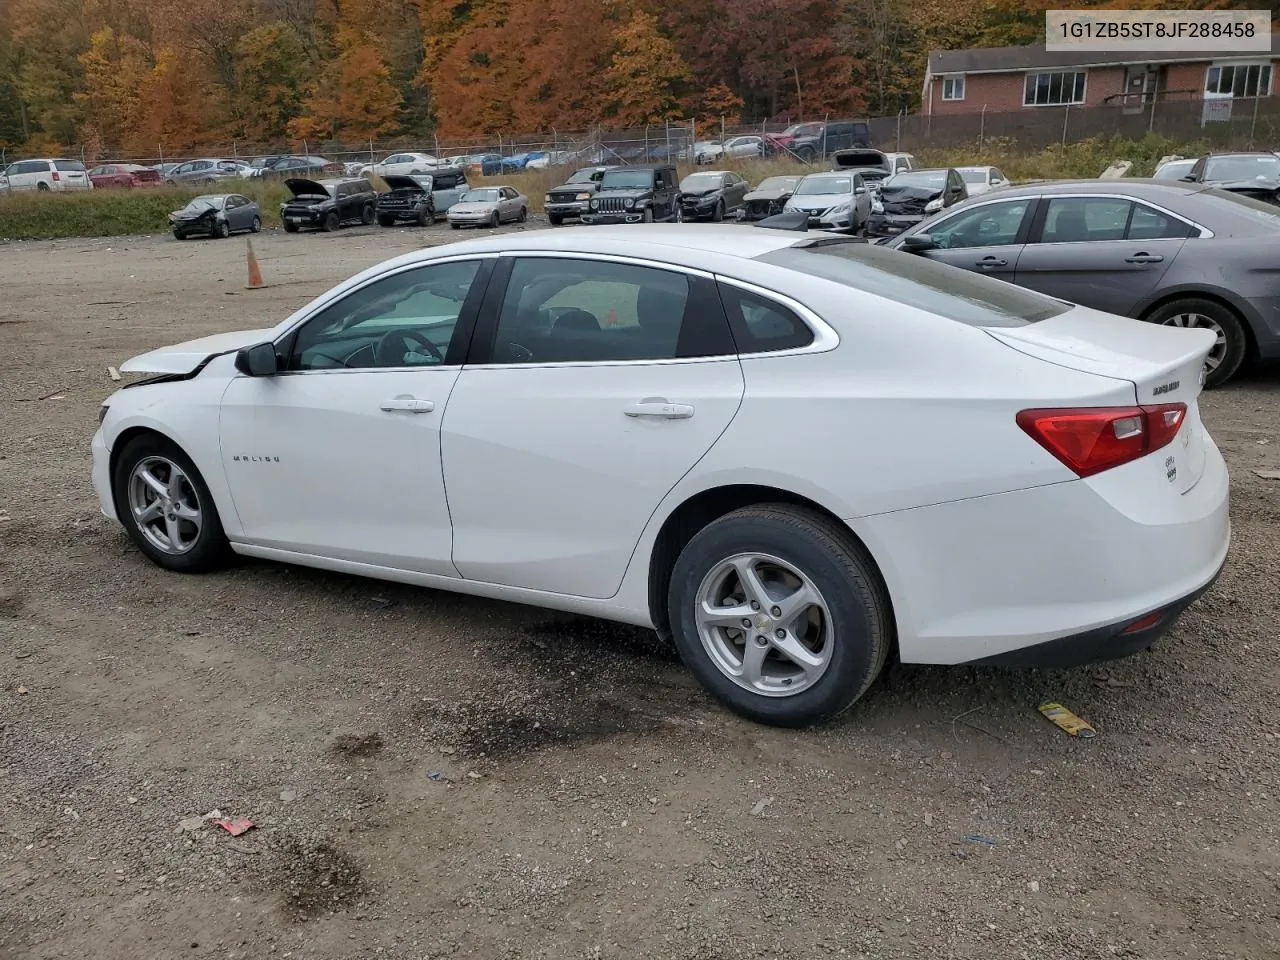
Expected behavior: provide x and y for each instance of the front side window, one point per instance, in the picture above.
(405, 320)
(1054, 89)
(989, 225)
(560, 310)
(1239, 80)
(953, 88)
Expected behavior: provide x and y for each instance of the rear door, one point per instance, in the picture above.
(1105, 252)
(595, 383)
(984, 238)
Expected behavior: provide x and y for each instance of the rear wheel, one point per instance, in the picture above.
(256, 225)
(166, 507)
(1232, 342)
(524, 214)
(332, 221)
(780, 614)
(42, 186)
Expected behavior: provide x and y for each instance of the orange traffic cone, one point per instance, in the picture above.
(255, 275)
(612, 319)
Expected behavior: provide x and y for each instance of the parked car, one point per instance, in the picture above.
(808, 141)
(1174, 169)
(1167, 252)
(953, 422)
(635, 194)
(980, 180)
(769, 198)
(208, 170)
(164, 168)
(124, 175)
(833, 201)
(420, 198)
(327, 204)
(488, 207)
(314, 167)
(484, 165)
(712, 194)
(735, 148)
(53, 174)
(402, 164)
(216, 215)
(905, 199)
(1255, 175)
(572, 198)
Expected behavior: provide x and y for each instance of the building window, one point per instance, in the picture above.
(1053, 89)
(1239, 80)
(953, 87)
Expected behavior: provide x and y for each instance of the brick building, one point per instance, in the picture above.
(1007, 79)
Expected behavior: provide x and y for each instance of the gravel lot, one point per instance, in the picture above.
(436, 776)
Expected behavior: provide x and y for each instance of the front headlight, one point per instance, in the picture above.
(877, 206)
(933, 206)
(547, 198)
(595, 204)
(630, 204)
(102, 413)
(583, 196)
(842, 207)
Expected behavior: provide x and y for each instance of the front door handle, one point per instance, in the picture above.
(408, 405)
(1144, 258)
(991, 262)
(659, 407)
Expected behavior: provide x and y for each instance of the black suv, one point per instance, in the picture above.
(570, 200)
(327, 204)
(830, 137)
(635, 195)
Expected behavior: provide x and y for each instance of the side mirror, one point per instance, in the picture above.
(1188, 179)
(918, 243)
(258, 360)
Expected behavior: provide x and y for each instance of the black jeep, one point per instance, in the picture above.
(636, 195)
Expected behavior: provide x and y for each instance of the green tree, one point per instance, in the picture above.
(354, 99)
(271, 74)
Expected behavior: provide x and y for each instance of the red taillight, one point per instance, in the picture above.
(1092, 439)
(56, 178)
(1144, 623)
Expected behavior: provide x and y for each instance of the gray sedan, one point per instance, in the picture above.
(1175, 253)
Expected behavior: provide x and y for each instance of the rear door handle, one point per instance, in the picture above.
(408, 405)
(991, 262)
(660, 408)
(1144, 258)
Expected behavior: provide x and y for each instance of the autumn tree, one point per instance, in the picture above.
(644, 75)
(353, 97)
(271, 71)
(116, 72)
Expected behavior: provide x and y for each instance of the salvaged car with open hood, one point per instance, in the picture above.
(874, 165)
(216, 215)
(419, 197)
(327, 204)
(905, 199)
(1255, 175)
(769, 198)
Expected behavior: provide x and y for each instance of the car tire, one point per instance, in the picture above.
(847, 627)
(425, 217)
(717, 216)
(332, 221)
(366, 214)
(222, 230)
(386, 221)
(495, 221)
(197, 517)
(647, 216)
(805, 154)
(41, 185)
(456, 226)
(179, 235)
(555, 219)
(256, 225)
(1233, 342)
(290, 227)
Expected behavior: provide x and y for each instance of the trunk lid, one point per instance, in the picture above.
(1164, 364)
(186, 357)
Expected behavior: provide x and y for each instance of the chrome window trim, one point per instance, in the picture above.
(1205, 232)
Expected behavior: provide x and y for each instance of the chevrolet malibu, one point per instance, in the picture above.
(795, 455)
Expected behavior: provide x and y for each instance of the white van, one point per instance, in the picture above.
(56, 174)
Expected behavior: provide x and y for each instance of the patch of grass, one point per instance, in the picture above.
(1080, 159)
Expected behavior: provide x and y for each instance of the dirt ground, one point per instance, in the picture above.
(436, 776)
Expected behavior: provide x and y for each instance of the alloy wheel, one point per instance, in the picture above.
(164, 505)
(764, 624)
(1219, 351)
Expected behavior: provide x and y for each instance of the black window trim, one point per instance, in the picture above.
(463, 331)
(485, 332)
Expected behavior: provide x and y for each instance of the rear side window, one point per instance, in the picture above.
(1147, 223)
(761, 325)
(71, 166)
(919, 282)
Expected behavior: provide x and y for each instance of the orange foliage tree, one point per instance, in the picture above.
(353, 96)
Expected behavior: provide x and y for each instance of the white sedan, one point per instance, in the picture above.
(795, 455)
(980, 180)
(403, 164)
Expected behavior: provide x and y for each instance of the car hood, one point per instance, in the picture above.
(1244, 186)
(591, 187)
(631, 192)
(890, 193)
(185, 214)
(474, 206)
(186, 357)
(301, 185)
(695, 194)
(400, 182)
(777, 194)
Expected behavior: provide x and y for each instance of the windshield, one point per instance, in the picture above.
(974, 176)
(584, 176)
(627, 180)
(919, 282)
(929, 179)
(701, 182)
(1174, 170)
(1243, 168)
(480, 196)
(203, 203)
(803, 130)
(779, 183)
(812, 186)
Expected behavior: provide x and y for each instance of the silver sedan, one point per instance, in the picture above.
(488, 207)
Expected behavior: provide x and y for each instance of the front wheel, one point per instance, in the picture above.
(718, 215)
(1228, 352)
(166, 507)
(366, 215)
(647, 216)
(290, 227)
(555, 219)
(495, 221)
(332, 221)
(780, 614)
(222, 230)
(386, 221)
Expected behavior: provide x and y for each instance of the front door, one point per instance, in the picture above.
(1104, 252)
(987, 238)
(338, 455)
(592, 395)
